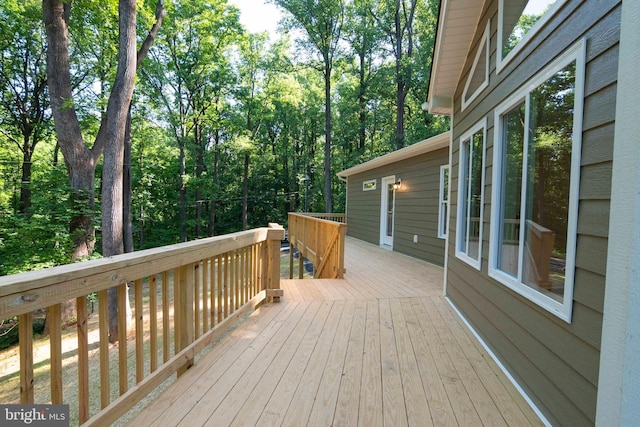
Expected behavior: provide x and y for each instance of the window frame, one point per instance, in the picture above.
(372, 182)
(462, 177)
(501, 62)
(562, 309)
(486, 40)
(443, 200)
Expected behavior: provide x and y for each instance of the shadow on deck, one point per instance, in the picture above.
(380, 347)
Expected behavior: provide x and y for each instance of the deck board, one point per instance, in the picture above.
(380, 347)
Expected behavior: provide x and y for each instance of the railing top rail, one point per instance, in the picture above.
(319, 216)
(25, 292)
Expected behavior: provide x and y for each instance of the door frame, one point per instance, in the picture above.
(386, 240)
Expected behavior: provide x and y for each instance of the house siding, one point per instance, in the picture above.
(416, 206)
(555, 362)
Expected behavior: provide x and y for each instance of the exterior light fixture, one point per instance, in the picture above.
(397, 184)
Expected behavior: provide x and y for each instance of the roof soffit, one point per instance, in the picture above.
(457, 25)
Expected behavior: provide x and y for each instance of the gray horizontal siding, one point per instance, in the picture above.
(416, 208)
(557, 363)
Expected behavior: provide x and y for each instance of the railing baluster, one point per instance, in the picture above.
(55, 345)
(254, 270)
(214, 290)
(83, 360)
(227, 296)
(205, 297)
(139, 331)
(245, 275)
(177, 310)
(122, 339)
(165, 317)
(196, 298)
(153, 324)
(25, 337)
(103, 325)
(236, 281)
(219, 285)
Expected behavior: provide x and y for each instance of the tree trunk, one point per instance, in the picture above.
(81, 225)
(328, 193)
(399, 78)
(126, 188)
(25, 185)
(197, 131)
(79, 159)
(400, 101)
(183, 193)
(216, 157)
(245, 192)
(112, 175)
(362, 106)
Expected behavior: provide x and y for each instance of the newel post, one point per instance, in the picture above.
(274, 236)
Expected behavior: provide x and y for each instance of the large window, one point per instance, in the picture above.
(471, 195)
(518, 21)
(443, 205)
(535, 184)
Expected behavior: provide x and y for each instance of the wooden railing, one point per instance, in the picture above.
(319, 240)
(539, 247)
(186, 295)
(336, 217)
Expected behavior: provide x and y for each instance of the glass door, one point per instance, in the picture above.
(387, 211)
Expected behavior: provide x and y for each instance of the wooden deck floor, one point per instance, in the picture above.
(381, 347)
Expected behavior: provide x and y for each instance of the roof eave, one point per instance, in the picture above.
(451, 40)
(434, 143)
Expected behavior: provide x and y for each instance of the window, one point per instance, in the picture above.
(471, 195)
(369, 185)
(518, 21)
(443, 205)
(479, 75)
(535, 185)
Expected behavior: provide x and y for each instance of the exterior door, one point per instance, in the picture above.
(387, 209)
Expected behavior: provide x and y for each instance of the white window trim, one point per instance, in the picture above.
(370, 181)
(442, 218)
(460, 216)
(503, 62)
(476, 62)
(562, 309)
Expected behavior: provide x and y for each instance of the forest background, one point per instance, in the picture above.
(229, 129)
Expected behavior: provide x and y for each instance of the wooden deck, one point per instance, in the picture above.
(380, 347)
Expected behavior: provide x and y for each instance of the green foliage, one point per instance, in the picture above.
(41, 239)
(215, 95)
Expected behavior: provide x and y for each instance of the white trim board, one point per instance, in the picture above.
(619, 381)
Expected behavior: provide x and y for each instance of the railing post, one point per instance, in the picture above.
(275, 236)
(184, 319)
(25, 330)
(341, 245)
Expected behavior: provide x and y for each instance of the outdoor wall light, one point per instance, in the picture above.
(397, 184)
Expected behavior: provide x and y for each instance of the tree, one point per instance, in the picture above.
(365, 40)
(321, 20)
(397, 19)
(80, 159)
(184, 74)
(24, 102)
